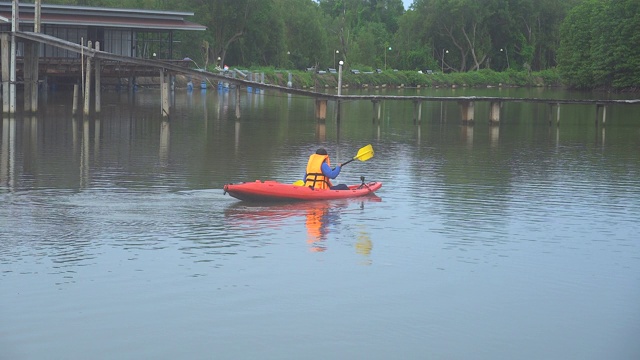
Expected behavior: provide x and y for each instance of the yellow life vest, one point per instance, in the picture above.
(314, 177)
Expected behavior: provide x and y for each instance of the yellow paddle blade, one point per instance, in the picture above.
(365, 153)
(298, 183)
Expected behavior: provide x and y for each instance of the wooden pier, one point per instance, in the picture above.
(102, 63)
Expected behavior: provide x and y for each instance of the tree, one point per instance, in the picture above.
(305, 35)
(600, 45)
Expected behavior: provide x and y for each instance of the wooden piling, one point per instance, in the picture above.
(4, 48)
(376, 110)
(164, 84)
(15, 10)
(27, 70)
(237, 102)
(37, 17)
(98, 85)
(87, 85)
(76, 91)
(417, 112)
(35, 79)
(604, 113)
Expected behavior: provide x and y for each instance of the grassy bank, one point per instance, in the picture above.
(390, 78)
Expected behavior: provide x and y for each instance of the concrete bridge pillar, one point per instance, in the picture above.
(27, 73)
(376, 110)
(87, 85)
(467, 111)
(494, 112)
(98, 82)
(4, 51)
(164, 93)
(417, 111)
(321, 109)
(557, 105)
(604, 113)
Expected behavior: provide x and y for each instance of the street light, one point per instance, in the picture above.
(444, 51)
(340, 77)
(385, 57)
(334, 57)
(507, 55)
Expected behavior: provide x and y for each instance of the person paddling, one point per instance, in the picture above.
(319, 172)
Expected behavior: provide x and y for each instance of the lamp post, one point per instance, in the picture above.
(334, 57)
(444, 51)
(385, 57)
(506, 54)
(340, 77)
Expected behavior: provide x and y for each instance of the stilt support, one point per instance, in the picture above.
(494, 112)
(237, 102)
(604, 113)
(76, 92)
(164, 93)
(87, 85)
(4, 53)
(377, 113)
(467, 111)
(417, 112)
(321, 109)
(98, 82)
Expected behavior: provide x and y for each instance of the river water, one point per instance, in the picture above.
(517, 241)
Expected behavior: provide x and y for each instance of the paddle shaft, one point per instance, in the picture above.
(348, 161)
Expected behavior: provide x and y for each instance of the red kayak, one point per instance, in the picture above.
(275, 191)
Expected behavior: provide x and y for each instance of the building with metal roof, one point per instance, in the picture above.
(126, 32)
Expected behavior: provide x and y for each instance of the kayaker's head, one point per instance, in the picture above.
(321, 151)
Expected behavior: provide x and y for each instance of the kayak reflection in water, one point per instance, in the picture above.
(318, 220)
(319, 172)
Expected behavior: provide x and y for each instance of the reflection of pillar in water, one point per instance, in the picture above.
(164, 143)
(443, 112)
(96, 138)
(7, 162)
(84, 155)
(494, 133)
(237, 102)
(467, 132)
(321, 131)
(74, 134)
(31, 143)
(237, 138)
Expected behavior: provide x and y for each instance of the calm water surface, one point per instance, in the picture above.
(517, 241)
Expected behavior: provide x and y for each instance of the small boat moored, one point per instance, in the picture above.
(274, 191)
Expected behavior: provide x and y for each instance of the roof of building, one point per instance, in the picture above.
(68, 15)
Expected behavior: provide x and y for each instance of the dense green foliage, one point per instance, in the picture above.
(595, 43)
(600, 45)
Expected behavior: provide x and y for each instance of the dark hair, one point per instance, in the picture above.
(321, 151)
